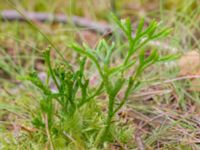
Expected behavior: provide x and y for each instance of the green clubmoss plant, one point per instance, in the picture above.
(114, 78)
(74, 90)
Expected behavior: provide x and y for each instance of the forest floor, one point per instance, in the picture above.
(163, 114)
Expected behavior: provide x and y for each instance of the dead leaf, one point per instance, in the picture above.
(189, 64)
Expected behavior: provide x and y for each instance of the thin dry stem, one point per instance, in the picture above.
(47, 131)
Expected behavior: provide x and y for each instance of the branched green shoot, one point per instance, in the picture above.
(136, 48)
(73, 88)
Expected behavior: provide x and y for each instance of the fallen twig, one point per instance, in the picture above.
(149, 93)
(12, 15)
(177, 79)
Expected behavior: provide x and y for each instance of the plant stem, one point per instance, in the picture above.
(48, 61)
(108, 121)
(47, 131)
(127, 92)
(97, 92)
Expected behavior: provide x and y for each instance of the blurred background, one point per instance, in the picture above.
(21, 43)
(182, 15)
